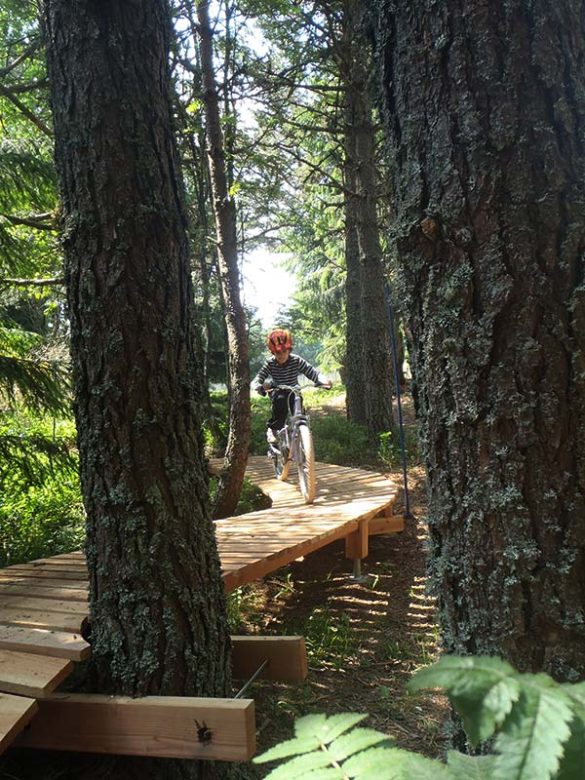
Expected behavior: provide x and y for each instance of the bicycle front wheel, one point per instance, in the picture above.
(306, 464)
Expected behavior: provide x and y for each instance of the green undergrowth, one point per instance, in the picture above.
(527, 727)
(41, 520)
(336, 439)
(41, 512)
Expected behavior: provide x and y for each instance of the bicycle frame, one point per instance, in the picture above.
(295, 444)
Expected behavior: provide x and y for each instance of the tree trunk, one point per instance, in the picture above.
(354, 342)
(236, 455)
(158, 623)
(484, 112)
(376, 380)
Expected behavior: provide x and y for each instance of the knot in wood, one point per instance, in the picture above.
(430, 228)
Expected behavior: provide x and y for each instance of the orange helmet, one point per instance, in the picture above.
(279, 340)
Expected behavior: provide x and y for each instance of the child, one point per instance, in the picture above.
(283, 369)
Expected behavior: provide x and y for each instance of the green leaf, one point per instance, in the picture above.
(310, 725)
(470, 767)
(300, 766)
(531, 742)
(292, 747)
(420, 768)
(358, 739)
(482, 690)
(194, 106)
(338, 724)
(394, 764)
(376, 762)
(327, 773)
(576, 692)
(573, 761)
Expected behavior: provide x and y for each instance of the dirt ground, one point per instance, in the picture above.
(365, 637)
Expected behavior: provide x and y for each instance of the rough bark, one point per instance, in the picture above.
(157, 603)
(484, 111)
(236, 454)
(354, 344)
(376, 379)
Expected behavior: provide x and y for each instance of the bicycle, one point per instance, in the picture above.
(295, 443)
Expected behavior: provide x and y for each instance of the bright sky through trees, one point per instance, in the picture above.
(268, 286)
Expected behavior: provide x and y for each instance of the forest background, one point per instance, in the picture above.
(434, 149)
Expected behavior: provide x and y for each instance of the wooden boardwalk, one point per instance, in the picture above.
(44, 603)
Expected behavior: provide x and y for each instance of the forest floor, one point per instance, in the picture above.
(365, 638)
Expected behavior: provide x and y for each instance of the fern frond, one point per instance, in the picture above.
(30, 459)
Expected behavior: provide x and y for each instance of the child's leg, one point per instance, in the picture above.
(279, 411)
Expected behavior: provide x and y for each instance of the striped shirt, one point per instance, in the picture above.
(287, 373)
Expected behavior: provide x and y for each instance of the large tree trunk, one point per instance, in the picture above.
(236, 454)
(354, 342)
(485, 109)
(375, 382)
(158, 623)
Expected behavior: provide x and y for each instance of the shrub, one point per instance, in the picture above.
(537, 728)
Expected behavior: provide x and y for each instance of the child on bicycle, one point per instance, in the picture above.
(283, 369)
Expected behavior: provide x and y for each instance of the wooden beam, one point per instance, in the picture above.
(31, 675)
(356, 544)
(286, 655)
(40, 642)
(164, 726)
(391, 524)
(16, 712)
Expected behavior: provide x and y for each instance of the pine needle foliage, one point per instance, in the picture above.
(535, 725)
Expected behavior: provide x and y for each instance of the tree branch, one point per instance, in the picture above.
(34, 220)
(26, 111)
(21, 57)
(33, 282)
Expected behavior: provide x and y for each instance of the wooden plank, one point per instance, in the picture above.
(31, 675)
(41, 642)
(43, 591)
(40, 582)
(164, 726)
(286, 655)
(50, 620)
(36, 572)
(16, 601)
(16, 712)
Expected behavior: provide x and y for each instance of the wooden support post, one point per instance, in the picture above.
(163, 726)
(286, 655)
(356, 544)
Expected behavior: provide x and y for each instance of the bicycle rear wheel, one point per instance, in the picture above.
(306, 464)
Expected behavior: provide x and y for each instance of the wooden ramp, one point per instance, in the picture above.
(43, 605)
(351, 504)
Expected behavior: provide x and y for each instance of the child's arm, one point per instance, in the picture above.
(260, 379)
(311, 373)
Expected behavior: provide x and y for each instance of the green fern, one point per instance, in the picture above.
(538, 727)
